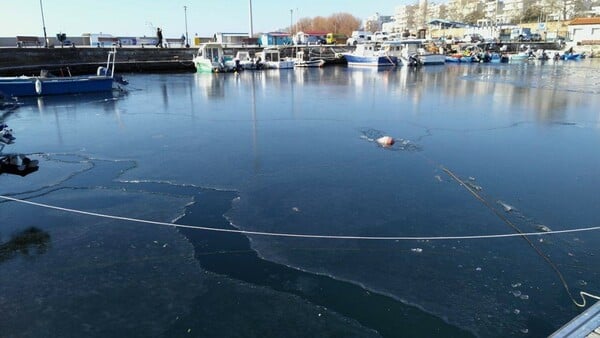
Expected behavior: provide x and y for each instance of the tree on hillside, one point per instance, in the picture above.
(319, 23)
(580, 8)
(303, 25)
(342, 23)
(472, 17)
(532, 14)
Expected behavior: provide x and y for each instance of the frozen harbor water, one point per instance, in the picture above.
(291, 152)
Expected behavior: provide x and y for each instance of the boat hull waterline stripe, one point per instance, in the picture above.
(292, 235)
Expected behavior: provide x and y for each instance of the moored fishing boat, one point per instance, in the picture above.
(455, 58)
(243, 60)
(46, 84)
(370, 55)
(571, 56)
(303, 60)
(271, 57)
(413, 49)
(210, 58)
(520, 57)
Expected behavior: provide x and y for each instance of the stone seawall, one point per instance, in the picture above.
(29, 61)
(86, 60)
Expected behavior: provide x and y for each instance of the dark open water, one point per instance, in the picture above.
(290, 151)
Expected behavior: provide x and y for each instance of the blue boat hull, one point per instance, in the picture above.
(26, 86)
(452, 59)
(371, 61)
(567, 56)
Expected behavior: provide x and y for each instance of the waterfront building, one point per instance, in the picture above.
(231, 38)
(585, 31)
(376, 21)
(455, 10)
(514, 9)
(275, 39)
(404, 18)
(437, 11)
(494, 12)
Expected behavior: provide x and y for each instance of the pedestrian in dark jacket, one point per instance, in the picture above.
(159, 37)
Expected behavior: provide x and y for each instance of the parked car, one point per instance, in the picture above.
(473, 38)
(524, 38)
(315, 40)
(379, 36)
(358, 37)
(536, 37)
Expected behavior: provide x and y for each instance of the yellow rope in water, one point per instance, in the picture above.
(582, 294)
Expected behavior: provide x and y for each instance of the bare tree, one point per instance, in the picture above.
(342, 23)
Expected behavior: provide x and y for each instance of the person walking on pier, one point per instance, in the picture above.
(159, 37)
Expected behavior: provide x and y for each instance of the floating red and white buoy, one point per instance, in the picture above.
(386, 141)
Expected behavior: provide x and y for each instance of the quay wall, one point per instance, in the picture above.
(86, 60)
(29, 61)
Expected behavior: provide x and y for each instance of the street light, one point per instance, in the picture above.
(251, 33)
(187, 41)
(44, 25)
(291, 21)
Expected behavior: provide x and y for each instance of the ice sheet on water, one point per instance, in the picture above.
(51, 172)
(111, 256)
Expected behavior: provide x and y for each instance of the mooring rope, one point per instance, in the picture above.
(297, 235)
(520, 233)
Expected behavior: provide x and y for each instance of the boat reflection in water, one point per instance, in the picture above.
(29, 242)
(17, 164)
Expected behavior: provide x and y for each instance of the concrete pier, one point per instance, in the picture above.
(85, 60)
(29, 61)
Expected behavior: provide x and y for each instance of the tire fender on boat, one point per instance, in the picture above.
(38, 86)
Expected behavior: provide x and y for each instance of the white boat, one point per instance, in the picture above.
(413, 52)
(371, 55)
(303, 60)
(210, 58)
(243, 60)
(518, 58)
(271, 57)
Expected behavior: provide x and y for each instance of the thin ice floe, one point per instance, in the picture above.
(542, 228)
(507, 207)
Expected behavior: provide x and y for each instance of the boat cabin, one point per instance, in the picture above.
(271, 54)
(366, 49)
(211, 51)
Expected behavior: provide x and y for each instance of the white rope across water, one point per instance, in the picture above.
(292, 235)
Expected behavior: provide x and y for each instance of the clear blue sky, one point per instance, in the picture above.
(140, 17)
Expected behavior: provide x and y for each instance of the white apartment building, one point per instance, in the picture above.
(437, 11)
(515, 8)
(375, 22)
(404, 17)
(455, 9)
(494, 11)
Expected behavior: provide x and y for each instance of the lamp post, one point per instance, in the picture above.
(187, 41)
(44, 25)
(291, 21)
(250, 14)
